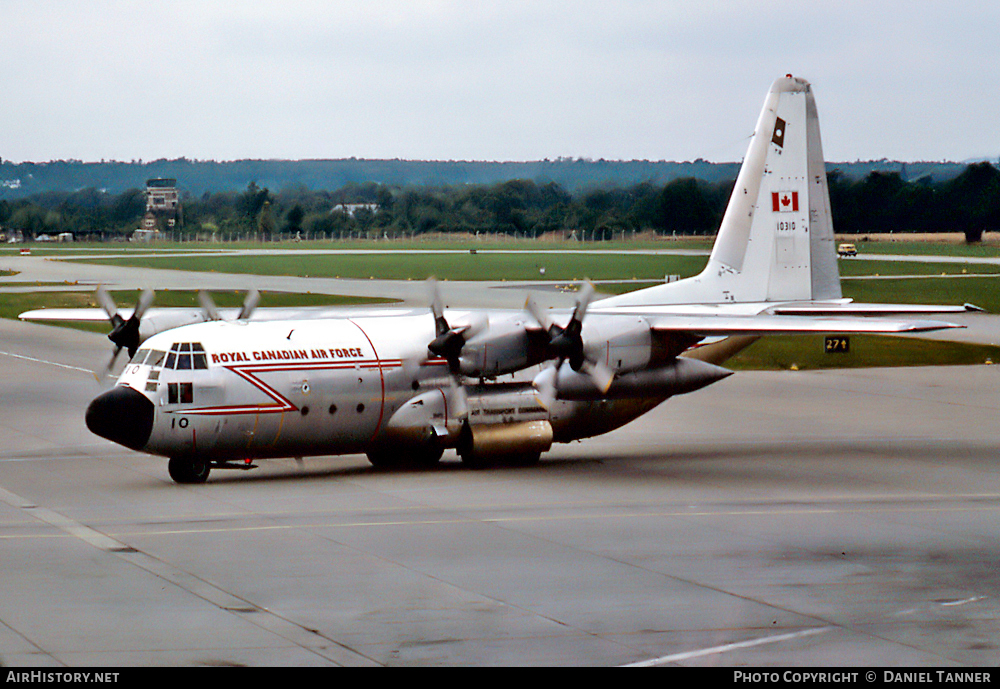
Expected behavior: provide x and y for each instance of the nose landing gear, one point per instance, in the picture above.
(189, 469)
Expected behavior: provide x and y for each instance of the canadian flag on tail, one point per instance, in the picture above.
(785, 201)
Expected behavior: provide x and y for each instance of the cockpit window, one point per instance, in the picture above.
(186, 356)
(139, 357)
(156, 358)
(199, 356)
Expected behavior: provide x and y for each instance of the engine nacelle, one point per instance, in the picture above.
(682, 375)
(622, 343)
(508, 346)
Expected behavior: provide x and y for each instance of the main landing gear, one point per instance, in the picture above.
(408, 459)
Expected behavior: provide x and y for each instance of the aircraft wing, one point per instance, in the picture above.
(768, 324)
(181, 315)
(60, 315)
(861, 309)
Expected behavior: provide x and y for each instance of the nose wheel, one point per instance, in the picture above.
(189, 469)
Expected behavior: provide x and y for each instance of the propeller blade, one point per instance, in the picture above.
(249, 304)
(437, 310)
(107, 303)
(145, 299)
(599, 373)
(545, 386)
(583, 300)
(458, 400)
(478, 323)
(102, 377)
(540, 316)
(208, 306)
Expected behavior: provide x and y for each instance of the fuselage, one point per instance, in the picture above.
(242, 390)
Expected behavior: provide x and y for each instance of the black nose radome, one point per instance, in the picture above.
(122, 415)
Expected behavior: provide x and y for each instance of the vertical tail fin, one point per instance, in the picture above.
(776, 240)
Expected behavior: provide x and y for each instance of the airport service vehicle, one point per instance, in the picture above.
(404, 385)
(847, 250)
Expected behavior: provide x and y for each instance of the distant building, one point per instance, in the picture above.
(142, 235)
(161, 195)
(351, 208)
(163, 209)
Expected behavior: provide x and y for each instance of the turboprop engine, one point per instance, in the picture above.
(680, 376)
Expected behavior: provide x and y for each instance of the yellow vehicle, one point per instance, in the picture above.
(847, 250)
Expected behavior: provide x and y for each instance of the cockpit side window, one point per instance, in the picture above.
(180, 393)
(139, 357)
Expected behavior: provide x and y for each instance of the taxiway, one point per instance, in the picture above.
(778, 518)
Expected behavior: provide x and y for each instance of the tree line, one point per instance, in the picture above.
(878, 202)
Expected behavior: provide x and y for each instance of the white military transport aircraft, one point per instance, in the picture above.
(402, 385)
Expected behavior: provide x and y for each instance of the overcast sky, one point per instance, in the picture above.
(469, 80)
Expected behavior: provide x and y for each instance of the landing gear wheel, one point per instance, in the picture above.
(426, 457)
(473, 460)
(412, 458)
(189, 469)
(382, 459)
(528, 459)
(478, 461)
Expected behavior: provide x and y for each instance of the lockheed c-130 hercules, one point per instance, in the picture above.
(403, 385)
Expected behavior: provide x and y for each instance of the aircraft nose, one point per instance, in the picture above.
(122, 415)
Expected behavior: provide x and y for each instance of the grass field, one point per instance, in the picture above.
(430, 243)
(925, 247)
(805, 352)
(445, 266)
(984, 292)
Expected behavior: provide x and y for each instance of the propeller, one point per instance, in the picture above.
(449, 341)
(447, 344)
(566, 345)
(250, 303)
(124, 332)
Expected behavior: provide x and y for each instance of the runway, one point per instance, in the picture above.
(778, 518)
